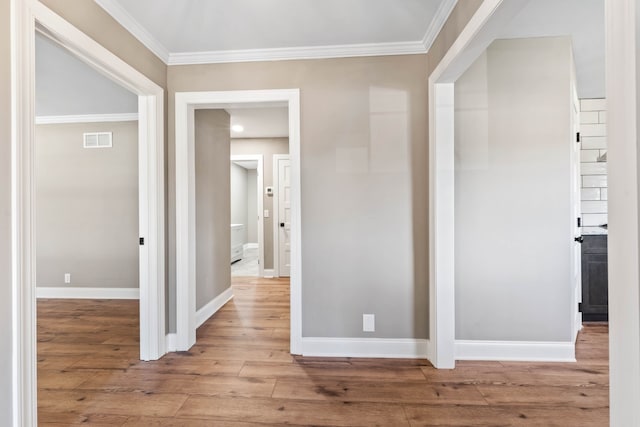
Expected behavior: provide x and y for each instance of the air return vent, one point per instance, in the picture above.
(98, 140)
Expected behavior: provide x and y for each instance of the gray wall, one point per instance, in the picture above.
(239, 198)
(66, 86)
(213, 217)
(512, 193)
(87, 206)
(267, 147)
(6, 312)
(252, 206)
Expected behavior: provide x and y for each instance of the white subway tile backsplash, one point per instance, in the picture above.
(592, 181)
(593, 130)
(588, 117)
(602, 117)
(604, 194)
(599, 168)
(594, 220)
(593, 142)
(590, 194)
(593, 104)
(589, 155)
(594, 207)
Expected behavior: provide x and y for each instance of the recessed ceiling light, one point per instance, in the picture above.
(237, 128)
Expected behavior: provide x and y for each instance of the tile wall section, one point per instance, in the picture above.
(593, 166)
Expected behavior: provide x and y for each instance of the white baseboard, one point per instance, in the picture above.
(171, 342)
(520, 351)
(249, 246)
(87, 293)
(268, 273)
(365, 347)
(212, 306)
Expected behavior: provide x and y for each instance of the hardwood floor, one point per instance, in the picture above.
(240, 374)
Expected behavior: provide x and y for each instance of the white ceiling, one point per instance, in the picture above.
(583, 20)
(211, 29)
(260, 122)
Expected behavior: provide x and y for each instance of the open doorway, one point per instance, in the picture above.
(259, 137)
(535, 189)
(188, 106)
(150, 185)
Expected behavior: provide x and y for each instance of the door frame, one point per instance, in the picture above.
(276, 212)
(27, 17)
(185, 105)
(260, 205)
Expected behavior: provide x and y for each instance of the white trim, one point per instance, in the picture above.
(185, 105)
(87, 118)
(623, 105)
(438, 21)
(365, 347)
(117, 12)
(521, 351)
(269, 273)
(260, 207)
(213, 306)
(87, 293)
(276, 211)
(295, 53)
(25, 14)
(170, 340)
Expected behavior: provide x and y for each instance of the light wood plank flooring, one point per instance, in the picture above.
(240, 374)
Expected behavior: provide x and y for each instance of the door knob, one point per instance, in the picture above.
(282, 224)
(579, 239)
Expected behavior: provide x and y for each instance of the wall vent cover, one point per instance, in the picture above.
(98, 139)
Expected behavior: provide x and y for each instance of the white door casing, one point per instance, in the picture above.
(185, 105)
(26, 16)
(282, 167)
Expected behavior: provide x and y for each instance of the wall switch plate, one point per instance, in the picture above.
(266, 213)
(67, 277)
(368, 322)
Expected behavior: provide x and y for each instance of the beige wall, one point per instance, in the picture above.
(267, 147)
(6, 312)
(252, 206)
(362, 121)
(512, 182)
(239, 198)
(87, 206)
(213, 218)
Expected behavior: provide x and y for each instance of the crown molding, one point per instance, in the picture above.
(113, 8)
(438, 21)
(292, 53)
(117, 12)
(87, 118)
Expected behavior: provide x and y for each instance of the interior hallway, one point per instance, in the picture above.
(240, 373)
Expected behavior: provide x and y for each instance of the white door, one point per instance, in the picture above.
(284, 217)
(576, 197)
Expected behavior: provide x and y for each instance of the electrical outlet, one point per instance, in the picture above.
(368, 322)
(67, 277)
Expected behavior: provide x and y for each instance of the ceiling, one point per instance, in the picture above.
(195, 31)
(260, 122)
(583, 20)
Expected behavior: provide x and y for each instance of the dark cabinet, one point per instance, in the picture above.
(594, 279)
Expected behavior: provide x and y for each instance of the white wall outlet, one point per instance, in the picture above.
(368, 322)
(67, 277)
(266, 213)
